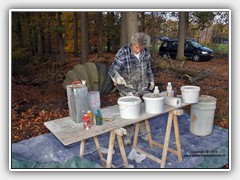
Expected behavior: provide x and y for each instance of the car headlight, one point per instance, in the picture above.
(204, 52)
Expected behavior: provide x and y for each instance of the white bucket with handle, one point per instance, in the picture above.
(190, 94)
(129, 107)
(154, 103)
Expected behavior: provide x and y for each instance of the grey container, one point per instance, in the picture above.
(77, 102)
(202, 116)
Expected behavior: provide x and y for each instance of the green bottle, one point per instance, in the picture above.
(98, 118)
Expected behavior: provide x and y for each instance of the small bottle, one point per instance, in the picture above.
(86, 123)
(156, 90)
(83, 83)
(98, 118)
(90, 115)
(169, 89)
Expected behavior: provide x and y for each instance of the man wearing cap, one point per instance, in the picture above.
(131, 72)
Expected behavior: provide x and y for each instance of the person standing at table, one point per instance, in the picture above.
(131, 72)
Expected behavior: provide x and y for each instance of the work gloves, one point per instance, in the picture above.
(151, 86)
(118, 79)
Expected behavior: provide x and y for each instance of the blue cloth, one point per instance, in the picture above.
(197, 152)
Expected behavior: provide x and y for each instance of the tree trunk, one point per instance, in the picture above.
(49, 37)
(143, 21)
(84, 37)
(132, 24)
(41, 36)
(30, 34)
(60, 38)
(153, 37)
(19, 32)
(75, 25)
(100, 37)
(181, 34)
(123, 38)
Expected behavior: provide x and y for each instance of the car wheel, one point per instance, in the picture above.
(165, 55)
(196, 58)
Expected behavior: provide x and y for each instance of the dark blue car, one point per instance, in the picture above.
(192, 50)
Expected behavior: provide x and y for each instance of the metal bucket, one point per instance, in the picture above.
(202, 116)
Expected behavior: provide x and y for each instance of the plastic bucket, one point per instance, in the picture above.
(154, 103)
(202, 116)
(190, 94)
(129, 107)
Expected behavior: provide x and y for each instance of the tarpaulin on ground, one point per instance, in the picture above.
(46, 151)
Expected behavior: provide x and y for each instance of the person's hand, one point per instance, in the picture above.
(119, 80)
(151, 86)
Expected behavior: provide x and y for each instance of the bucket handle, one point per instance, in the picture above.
(124, 107)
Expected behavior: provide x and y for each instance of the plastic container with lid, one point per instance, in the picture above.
(154, 103)
(129, 107)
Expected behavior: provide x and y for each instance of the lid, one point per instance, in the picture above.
(153, 96)
(89, 111)
(156, 87)
(190, 88)
(98, 111)
(169, 83)
(207, 99)
(129, 100)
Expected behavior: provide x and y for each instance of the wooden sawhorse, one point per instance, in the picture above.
(108, 163)
(172, 118)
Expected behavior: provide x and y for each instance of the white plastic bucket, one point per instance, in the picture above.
(202, 116)
(129, 107)
(154, 103)
(190, 94)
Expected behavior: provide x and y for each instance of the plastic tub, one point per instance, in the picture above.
(154, 103)
(202, 116)
(129, 107)
(190, 94)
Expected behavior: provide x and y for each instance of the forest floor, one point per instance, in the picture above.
(36, 100)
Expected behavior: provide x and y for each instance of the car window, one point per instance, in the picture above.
(195, 44)
(188, 46)
(164, 44)
(175, 44)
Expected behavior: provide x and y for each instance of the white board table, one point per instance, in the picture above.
(68, 132)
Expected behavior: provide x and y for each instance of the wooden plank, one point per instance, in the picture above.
(82, 147)
(110, 149)
(166, 140)
(148, 155)
(135, 139)
(120, 131)
(68, 132)
(149, 135)
(177, 137)
(171, 150)
(122, 151)
(99, 150)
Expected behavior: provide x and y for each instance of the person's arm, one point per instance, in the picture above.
(116, 67)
